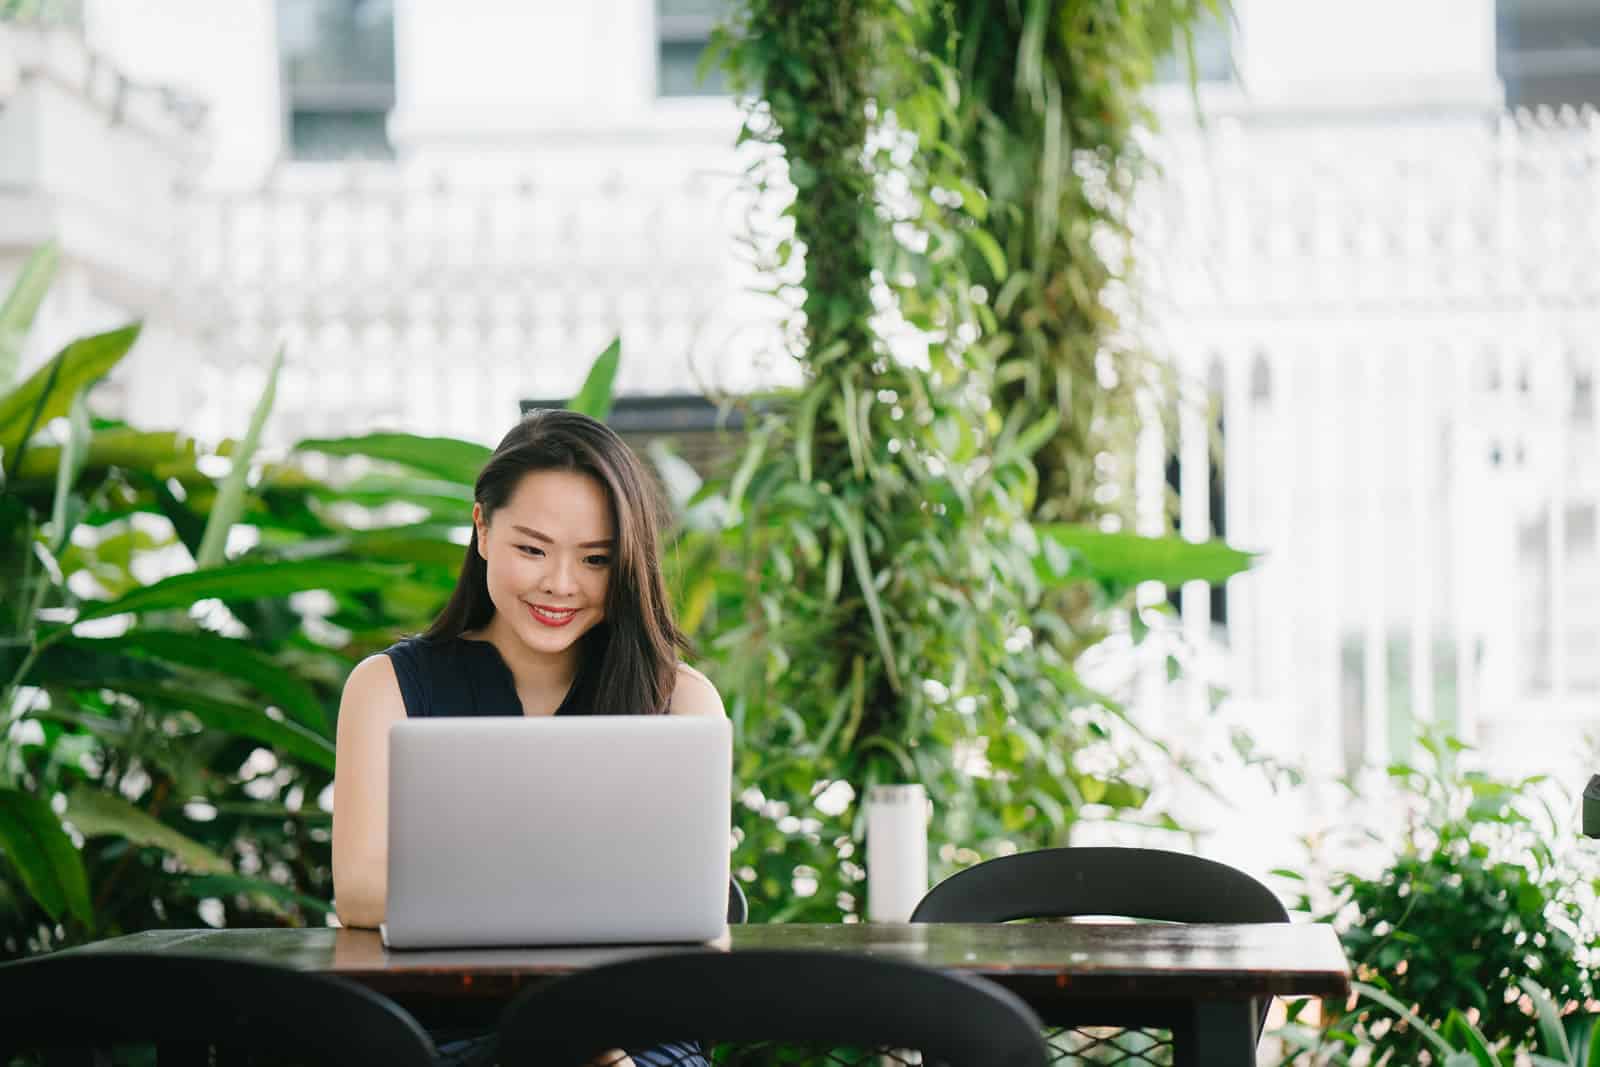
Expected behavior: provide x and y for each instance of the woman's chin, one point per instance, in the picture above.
(551, 639)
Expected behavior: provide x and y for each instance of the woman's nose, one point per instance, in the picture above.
(559, 576)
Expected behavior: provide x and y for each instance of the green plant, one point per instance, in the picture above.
(873, 605)
(1045, 156)
(168, 707)
(1478, 902)
(121, 805)
(1457, 1042)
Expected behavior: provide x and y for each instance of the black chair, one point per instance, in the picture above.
(765, 1000)
(75, 1007)
(738, 907)
(1132, 883)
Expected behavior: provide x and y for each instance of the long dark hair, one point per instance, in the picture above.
(634, 651)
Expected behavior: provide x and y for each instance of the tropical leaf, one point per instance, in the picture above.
(1127, 559)
(230, 498)
(1373, 993)
(241, 581)
(163, 454)
(989, 248)
(97, 813)
(1550, 1028)
(1473, 1047)
(66, 509)
(594, 399)
(850, 523)
(44, 856)
(203, 650)
(22, 305)
(443, 457)
(240, 720)
(445, 500)
(48, 392)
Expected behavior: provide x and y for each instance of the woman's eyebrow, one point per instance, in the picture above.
(547, 539)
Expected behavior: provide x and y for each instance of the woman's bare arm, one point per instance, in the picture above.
(694, 694)
(370, 705)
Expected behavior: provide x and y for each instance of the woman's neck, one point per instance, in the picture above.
(537, 673)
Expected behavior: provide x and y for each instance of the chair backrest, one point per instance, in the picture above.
(93, 1000)
(808, 998)
(738, 907)
(1134, 883)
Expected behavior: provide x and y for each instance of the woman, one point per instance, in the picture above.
(560, 609)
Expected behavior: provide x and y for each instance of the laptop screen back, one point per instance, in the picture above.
(541, 831)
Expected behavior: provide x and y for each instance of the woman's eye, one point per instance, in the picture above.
(598, 561)
(531, 550)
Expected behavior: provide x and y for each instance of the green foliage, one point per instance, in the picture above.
(118, 751)
(1478, 904)
(169, 729)
(1044, 156)
(22, 305)
(594, 398)
(876, 606)
(1457, 1042)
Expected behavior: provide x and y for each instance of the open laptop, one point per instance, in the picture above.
(604, 829)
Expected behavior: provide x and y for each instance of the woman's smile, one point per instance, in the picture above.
(549, 616)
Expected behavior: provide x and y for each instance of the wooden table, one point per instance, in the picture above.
(1204, 983)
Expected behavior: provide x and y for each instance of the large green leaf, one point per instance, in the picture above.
(239, 719)
(48, 392)
(1373, 993)
(97, 813)
(429, 544)
(230, 498)
(443, 457)
(594, 399)
(1550, 1028)
(1127, 559)
(22, 305)
(66, 509)
(450, 501)
(162, 453)
(224, 655)
(850, 523)
(51, 868)
(241, 581)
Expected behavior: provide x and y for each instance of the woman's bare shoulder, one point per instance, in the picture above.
(373, 689)
(694, 694)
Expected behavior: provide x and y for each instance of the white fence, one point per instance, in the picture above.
(1401, 327)
(438, 303)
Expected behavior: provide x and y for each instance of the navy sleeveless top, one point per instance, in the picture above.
(458, 677)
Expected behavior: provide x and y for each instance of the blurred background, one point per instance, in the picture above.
(1371, 250)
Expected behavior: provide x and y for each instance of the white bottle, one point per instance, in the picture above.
(897, 851)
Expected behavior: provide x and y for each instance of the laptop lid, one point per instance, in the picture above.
(600, 829)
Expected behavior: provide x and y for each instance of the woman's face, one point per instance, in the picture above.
(549, 550)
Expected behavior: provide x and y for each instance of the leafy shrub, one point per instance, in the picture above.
(1479, 899)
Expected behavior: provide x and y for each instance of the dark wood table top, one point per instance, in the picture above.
(1077, 959)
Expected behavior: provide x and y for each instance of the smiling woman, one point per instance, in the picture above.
(560, 609)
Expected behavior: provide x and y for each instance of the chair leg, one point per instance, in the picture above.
(1221, 1033)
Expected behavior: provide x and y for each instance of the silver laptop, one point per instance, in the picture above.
(603, 829)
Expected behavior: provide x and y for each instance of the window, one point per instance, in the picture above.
(683, 29)
(338, 77)
(1548, 51)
